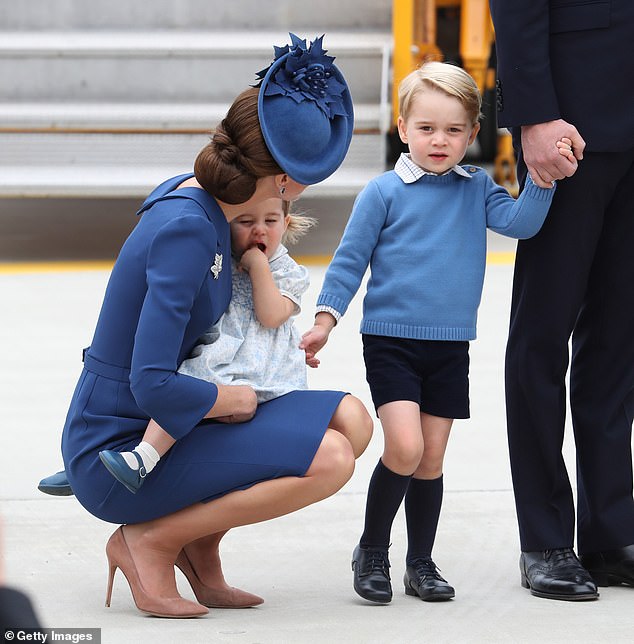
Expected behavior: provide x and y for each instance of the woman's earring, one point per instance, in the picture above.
(282, 190)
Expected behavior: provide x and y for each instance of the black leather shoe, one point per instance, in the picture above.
(611, 567)
(423, 580)
(556, 574)
(371, 568)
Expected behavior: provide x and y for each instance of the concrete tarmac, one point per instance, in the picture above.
(300, 564)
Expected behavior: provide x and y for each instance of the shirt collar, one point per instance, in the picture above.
(410, 172)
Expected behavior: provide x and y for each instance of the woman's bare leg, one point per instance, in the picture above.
(351, 419)
(204, 554)
(156, 544)
(200, 562)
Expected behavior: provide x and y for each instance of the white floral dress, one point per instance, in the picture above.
(238, 350)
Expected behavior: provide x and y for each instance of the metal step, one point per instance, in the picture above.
(136, 117)
(130, 165)
(164, 66)
(114, 113)
(195, 14)
(110, 101)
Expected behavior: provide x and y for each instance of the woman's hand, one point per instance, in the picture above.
(234, 404)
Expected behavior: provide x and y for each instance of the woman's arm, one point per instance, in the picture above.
(177, 266)
(234, 404)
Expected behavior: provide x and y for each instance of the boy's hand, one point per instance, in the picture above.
(312, 361)
(315, 338)
(564, 145)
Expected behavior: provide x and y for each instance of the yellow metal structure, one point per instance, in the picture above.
(416, 40)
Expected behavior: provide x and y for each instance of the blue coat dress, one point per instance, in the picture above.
(171, 281)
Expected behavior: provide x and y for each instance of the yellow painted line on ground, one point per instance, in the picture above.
(16, 268)
(498, 257)
(501, 257)
(20, 268)
(312, 260)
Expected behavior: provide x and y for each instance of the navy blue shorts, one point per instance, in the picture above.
(432, 373)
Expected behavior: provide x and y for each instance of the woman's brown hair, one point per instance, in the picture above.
(236, 157)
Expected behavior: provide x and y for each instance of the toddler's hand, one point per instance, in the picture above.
(251, 258)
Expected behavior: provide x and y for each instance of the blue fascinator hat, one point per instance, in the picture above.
(305, 111)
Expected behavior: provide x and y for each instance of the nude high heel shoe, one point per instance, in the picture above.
(227, 597)
(119, 556)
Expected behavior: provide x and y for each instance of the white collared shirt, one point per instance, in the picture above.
(410, 172)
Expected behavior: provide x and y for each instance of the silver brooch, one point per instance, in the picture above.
(217, 267)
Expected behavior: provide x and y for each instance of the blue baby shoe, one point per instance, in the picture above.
(117, 466)
(56, 485)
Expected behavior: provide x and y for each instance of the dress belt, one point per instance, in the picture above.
(122, 374)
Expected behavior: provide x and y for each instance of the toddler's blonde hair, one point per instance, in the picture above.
(298, 224)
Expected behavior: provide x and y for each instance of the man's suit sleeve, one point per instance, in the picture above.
(525, 90)
(16, 610)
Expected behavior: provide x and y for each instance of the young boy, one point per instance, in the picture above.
(422, 229)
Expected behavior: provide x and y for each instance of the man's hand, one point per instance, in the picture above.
(542, 156)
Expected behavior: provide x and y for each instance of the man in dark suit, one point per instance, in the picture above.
(566, 69)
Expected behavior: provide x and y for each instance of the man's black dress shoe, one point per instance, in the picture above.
(423, 580)
(371, 568)
(556, 574)
(611, 567)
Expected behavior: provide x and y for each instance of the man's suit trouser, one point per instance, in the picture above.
(575, 277)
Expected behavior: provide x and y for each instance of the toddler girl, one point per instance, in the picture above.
(255, 344)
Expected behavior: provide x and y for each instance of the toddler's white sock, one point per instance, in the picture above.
(148, 454)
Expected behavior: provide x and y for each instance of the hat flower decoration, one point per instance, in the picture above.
(305, 110)
(307, 74)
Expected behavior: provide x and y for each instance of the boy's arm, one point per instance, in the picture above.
(347, 268)
(352, 257)
(519, 218)
(272, 308)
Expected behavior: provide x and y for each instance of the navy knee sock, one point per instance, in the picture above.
(385, 494)
(422, 511)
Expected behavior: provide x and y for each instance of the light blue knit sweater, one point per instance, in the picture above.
(425, 243)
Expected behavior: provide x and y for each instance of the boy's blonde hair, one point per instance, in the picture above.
(446, 78)
(298, 224)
